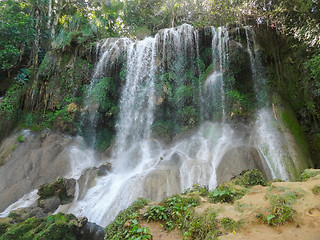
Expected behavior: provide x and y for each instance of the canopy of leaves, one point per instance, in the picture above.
(16, 32)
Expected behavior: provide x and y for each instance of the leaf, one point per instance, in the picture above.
(270, 217)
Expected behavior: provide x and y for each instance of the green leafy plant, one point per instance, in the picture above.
(21, 138)
(281, 210)
(177, 205)
(115, 230)
(200, 227)
(22, 76)
(156, 213)
(197, 188)
(135, 231)
(225, 194)
(309, 173)
(169, 226)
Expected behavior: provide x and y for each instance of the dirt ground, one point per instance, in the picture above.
(305, 226)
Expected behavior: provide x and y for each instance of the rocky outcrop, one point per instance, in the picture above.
(62, 188)
(54, 194)
(239, 159)
(39, 159)
(59, 226)
(23, 214)
(49, 205)
(165, 180)
(89, 230)
(104, 168)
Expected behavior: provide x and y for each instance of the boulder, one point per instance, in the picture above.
(165, 180)
(89, 230)
(104, 168)
(62, 188)
(21, 214)
(239, 159)
(40, 159)
(49, 204)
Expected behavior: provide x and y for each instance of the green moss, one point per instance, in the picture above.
(6, 154)
(3, 228)
(291, 122)
(13, 215)
(56, 188)
(54, 227)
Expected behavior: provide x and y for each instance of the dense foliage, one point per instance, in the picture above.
(16, 31)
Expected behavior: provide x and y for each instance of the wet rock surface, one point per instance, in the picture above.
(239, 159)
(39, 159)
(50, 204)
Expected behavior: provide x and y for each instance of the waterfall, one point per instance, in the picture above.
(179, 53)
(136, 104)
(131, 156)
(258, 72)
(268, 143)
(108, 53)
(213, 95)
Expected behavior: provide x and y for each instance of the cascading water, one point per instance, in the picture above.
(268, 144)
(136, 105)
(107, 53)
(213, 95)
(258, 73)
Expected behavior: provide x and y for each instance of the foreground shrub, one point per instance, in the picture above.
(230, 225)
(225, 194)
(156, 213)
(281, 210)
(251, 178)
(115, 230)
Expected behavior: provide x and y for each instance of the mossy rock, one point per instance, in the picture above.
(63, 188)
(53, 227)
(22, 214)
(309, 173)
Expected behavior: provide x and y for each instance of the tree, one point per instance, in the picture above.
(16, 33)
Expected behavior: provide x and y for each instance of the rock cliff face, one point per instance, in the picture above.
(37, 159)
